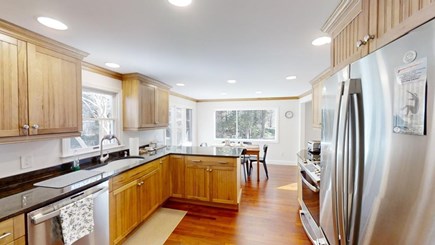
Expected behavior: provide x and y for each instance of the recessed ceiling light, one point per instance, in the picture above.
(52, 23)
(321, 41)
(180, 84)
(290, 77)
(223, 93)
(112, 65)
(231, 81)
(258, 92)
(180, 3)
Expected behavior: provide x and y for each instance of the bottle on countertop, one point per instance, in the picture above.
(76, 162)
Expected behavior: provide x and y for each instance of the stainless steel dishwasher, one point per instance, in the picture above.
(41, 222)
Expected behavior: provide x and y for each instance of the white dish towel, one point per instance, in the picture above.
(77, 220)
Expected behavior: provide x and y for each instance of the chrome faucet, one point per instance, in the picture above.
(103, 157)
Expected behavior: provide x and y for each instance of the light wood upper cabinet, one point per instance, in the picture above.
(54, 92)
(146, 102)
(13, 61)
(359, 27)
(40, 83)
(390, 19)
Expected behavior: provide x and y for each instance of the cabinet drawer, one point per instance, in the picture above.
(211, 161)
(134, 174)
(6, 231)
(12, 229)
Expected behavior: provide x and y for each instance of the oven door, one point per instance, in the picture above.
(310, 196)
(43, 229)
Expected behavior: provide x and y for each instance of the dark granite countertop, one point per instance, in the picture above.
(18, 195)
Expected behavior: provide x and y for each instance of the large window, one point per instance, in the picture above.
(100, 117)
(246, 124)
(179, 131)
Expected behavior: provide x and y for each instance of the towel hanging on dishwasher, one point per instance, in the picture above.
(77, 220)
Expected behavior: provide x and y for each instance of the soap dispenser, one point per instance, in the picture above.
(76, 162)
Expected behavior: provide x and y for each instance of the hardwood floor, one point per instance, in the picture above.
(267, 215)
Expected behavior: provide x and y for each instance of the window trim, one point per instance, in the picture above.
(276, 116)
(117, 117)
(183, 107)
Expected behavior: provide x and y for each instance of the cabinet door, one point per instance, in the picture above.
(223, 184)
(162, 105)
(177, 176)
(54, 92)
(165, 179)
(344, 44)
(12, 78)
(197, 183)
(124, 211)
(149, 193)
(390, 19)
(147, 105)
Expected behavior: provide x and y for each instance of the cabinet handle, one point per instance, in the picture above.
(6, 234)
(211, 170)
(35, 126)
(368, 37)
(365, 40)
(26, 129)
(196, 161)
(222, 162)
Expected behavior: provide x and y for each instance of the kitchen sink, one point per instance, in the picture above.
(119, 165)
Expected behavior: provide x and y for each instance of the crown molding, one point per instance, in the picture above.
(345, 12)
(100, 70)
(182, 96)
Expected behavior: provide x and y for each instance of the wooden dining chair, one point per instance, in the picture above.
(244, 159)
(262, 159)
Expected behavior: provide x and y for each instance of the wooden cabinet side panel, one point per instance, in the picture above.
(54, 97)
(177, 175)
(9, 86)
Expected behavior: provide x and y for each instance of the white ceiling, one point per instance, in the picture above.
(256, 42)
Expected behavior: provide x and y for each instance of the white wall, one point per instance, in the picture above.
(281, 152)
(307, 132)
(48, 153)
(189, 104)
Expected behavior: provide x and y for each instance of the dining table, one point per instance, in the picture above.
(251, 150)
(254, 150)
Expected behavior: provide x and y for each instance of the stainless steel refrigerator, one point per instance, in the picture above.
(378, 146)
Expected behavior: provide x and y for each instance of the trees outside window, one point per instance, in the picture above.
(99, 118)
(245, 124)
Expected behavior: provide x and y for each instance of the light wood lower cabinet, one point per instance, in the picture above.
(13, 231)
(177, 175)
(133, 196)
(165, 172)
(211, 179)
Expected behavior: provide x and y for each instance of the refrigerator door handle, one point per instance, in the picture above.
(339, 104)
(358, 166)
(341, 156)
(345, 157)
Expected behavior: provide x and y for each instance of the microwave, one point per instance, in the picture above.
(313, 146)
